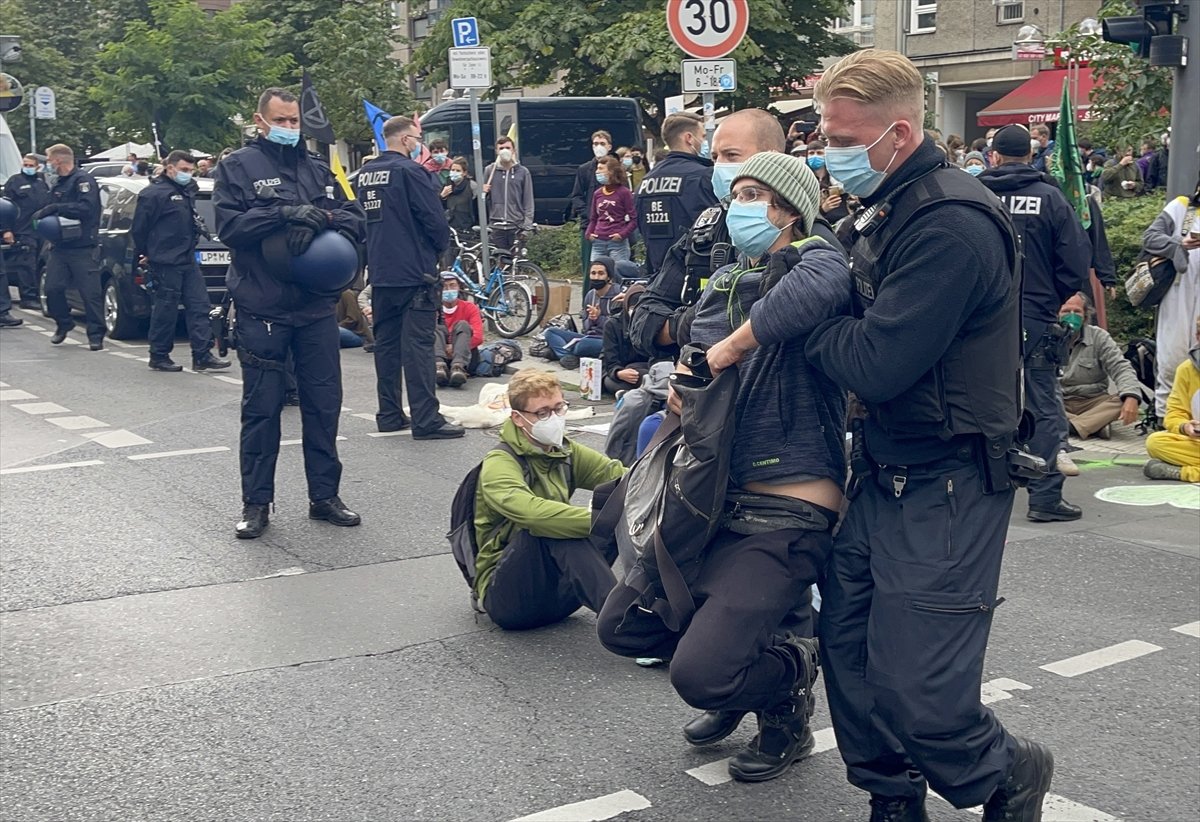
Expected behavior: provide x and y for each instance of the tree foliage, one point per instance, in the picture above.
(599, 47)
(290, 23)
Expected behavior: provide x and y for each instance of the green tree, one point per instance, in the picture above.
(598, 47)
(349, 59)
(187, 71)
(291, 22)
(1131, 100)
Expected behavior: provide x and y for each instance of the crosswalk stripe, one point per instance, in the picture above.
(1101, 658)
(1191, 629)
(591, 810)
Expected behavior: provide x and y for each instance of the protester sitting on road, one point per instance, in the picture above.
(536, 565)
(1095, 360)
(458, 337)
(613, 215)
(354, 328)
(568, 346)
(1175, 451)
(623, 366)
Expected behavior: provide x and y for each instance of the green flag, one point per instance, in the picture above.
(1065, 164)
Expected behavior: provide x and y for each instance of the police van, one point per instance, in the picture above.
(552, 136)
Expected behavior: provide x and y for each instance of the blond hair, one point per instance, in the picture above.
(61, 150)
(876, 77)
(529, 383)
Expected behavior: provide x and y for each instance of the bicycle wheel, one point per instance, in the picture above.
(509, 309)
(532, 277)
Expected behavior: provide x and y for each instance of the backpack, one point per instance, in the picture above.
(462, 515)
(564, 321)
(493, 357)
(1141, 354)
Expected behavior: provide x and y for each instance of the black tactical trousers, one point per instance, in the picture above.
(404, 319)
(20, 262)
(75, 268)
(174, 284)
(1043, 399)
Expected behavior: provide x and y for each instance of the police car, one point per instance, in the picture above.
(127, 303)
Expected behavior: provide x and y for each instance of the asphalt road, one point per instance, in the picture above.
(154, 667)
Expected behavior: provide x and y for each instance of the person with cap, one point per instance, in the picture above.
(974, 164)
(458, 336)
(273, 200)
(406, 233)
(1057, 255)
(28, 192)
(567, 345)
(164, 232)
(932, 350)
(744, 651)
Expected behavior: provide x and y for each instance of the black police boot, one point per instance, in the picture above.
(388, 427)
(1061, 511)
(254, 521)
(333, 510)
(1019, 797)
(291, 398)
(164, 364)
(60, 334)
(784, 736)
(445, 431)
(892, 809)
(712, 726)
(30, 304)
(96, 345)
(208, 362)
(8, 320)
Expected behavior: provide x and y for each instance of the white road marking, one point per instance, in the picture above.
(29, 469)
(996, 690)
(367, 417)
(340, 438)
(1102, 658)
(1055, 808)
(118, 343)
(290, 571)
(592, 810)
(125, 355)
(117, 439)
(70, 341)
(185, 452)
(76, 423)
(33, 327)
(41, 408)
(3, 385)
(223, 378)
(46, 333)
(1191, 629)
(405, 433)
(16, 394)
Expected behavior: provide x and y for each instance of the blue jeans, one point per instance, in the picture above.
(557, 339)
(617, 249)
(348, 339)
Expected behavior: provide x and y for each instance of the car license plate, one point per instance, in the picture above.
(213, 257)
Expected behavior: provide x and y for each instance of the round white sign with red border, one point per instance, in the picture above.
(708, 29)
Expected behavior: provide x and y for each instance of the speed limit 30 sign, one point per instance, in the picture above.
(708, 28)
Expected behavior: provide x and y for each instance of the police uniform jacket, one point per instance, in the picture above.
(164, 222)
(76, 196)
(253, 184)
(28, 194)
(670, 199)
(1057, 249)
(406, 223)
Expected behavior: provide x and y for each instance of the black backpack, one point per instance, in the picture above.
(1142, 355)
(462, 515)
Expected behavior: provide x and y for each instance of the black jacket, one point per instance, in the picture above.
(462, 208)
(581, 194)
(252, 186)
(164, 222)
(618, 351)
(76, 196)
(28, 194)
(1057, 249)
(406, 223)
(1156, 175)
(670, 199)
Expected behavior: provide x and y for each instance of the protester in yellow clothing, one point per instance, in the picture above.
(1175, 451)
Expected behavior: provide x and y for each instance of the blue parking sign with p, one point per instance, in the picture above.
(466, 32)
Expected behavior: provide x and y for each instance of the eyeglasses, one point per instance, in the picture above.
(753, 194)
(560, 409)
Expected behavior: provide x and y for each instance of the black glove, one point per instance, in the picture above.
(779, 263)
(45, 211)
(299, 238)
(306, 215)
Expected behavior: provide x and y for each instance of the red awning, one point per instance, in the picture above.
(1038, 99)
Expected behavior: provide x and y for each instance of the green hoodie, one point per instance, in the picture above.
(543, 508)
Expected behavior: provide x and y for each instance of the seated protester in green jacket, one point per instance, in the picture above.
(538, 566)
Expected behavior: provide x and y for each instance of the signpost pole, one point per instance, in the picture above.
(477, 146)
(710, 117)
(33, 124)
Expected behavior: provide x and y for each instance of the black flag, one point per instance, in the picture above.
(313, 120)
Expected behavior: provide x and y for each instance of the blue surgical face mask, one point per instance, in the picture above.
(852, 166)
(705, 150)
(751, 231)
(440, 157)
(627, 162)
(415, 153)
(601, 178)
(816, 163)
(723, 176)
(27, 171)
(449, 296)
(183, 177)
(455, 176)
(974, 171)
(284, 136)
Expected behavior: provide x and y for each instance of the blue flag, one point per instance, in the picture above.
(377, 117)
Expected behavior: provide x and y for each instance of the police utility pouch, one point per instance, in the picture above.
(71, 229)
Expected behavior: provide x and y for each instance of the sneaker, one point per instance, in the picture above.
(1066, 465)
(1159, 470)
(1105, 433)
(569, 362)
(441, 375)
(458, 376)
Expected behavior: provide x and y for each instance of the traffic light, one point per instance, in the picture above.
(1135, 31)
(1149, 34)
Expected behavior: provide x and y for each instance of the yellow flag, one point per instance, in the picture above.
(340, 173)
(512, 135)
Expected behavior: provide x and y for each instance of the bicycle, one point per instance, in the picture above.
(516, 289)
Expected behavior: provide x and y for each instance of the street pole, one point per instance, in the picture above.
(477, 145)
(33, 124)
(1185, 116)
(710, 117)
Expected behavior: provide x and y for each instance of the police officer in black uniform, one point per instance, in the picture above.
(73, 259)
(406, 233)
(273, 187)
(677, 189)
(27, 189)
(1057, 255)
(165, 227)
(933, 352)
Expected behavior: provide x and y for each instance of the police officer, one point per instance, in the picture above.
(274, 188)
(73, 259)
(677, 189)
(165, 226)
(406, 233)
(27, 189)
(1057, 254)
(933, 352)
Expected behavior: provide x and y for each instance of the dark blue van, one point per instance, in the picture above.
(553, 137)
